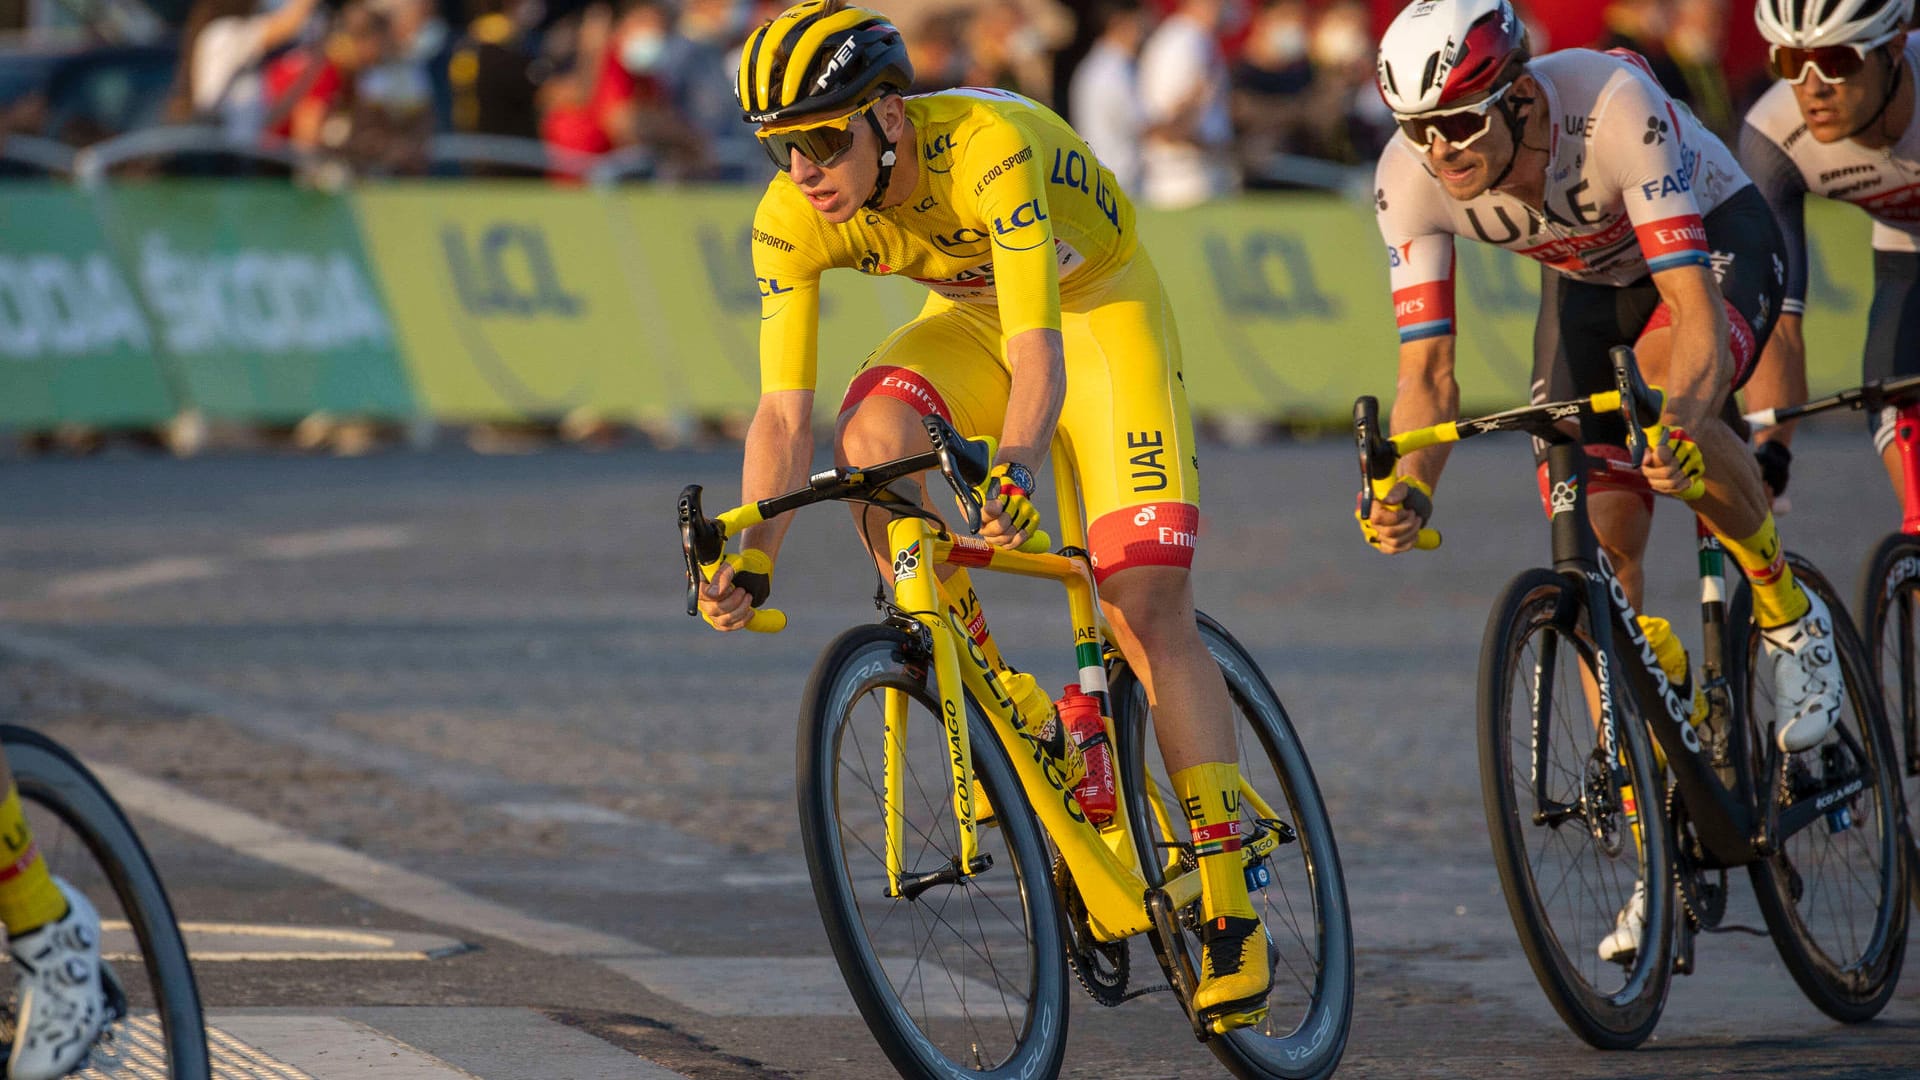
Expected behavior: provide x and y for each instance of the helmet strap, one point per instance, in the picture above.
(1895, 76)
(887, 158)
(1509, 107)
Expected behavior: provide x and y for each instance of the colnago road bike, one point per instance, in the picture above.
(157, 1029)
(958, 877)
(1889, 604)
(1581, 805)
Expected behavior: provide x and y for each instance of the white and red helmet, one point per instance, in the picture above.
(1442, 54)
(1814, 24)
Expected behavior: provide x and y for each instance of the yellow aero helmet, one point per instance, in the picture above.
(819, 56)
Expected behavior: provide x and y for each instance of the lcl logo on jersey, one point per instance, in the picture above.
(937, 148)
(1025, 215)
(959, 239)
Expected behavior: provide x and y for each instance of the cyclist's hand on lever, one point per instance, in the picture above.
(733, 590)
(1672, 464)
(1398, 518)
(1008, 517)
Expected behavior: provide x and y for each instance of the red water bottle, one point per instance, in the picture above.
(1081, 715)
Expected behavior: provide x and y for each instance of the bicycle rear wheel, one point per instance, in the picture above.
(968, 978)
(1834, 895)
(1890, 622)
(88, 842)
(1560, 815)
(1304, 908)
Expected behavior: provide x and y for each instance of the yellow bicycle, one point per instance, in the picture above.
(957, 873)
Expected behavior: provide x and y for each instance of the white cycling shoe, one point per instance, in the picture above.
(59, 993)
(1808, 690)
(1620, 946)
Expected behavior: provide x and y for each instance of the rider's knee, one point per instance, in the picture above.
(878, 429)
(1148, 603)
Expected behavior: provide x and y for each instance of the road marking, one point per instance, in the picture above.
(806, 986)
(509, 1044)
(383, 883)
(346, 541)
(564, 812)
(93, 584)
(216, 942)
(325, 1048)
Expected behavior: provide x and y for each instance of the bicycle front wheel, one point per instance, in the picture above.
(1834, 895)
(88, 842)
(1576, 825)
(1303, 908)
(1890, 621)
(968, 977)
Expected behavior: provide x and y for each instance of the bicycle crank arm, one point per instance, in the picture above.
(912, 885)
(1174, 958)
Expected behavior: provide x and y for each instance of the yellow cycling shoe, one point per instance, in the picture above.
(1234, 974)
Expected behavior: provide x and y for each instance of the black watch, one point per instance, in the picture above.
(1021, 476)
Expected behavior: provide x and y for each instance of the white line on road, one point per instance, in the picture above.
(383, 883)
(346, 541)
(353, 539)
(93, 584)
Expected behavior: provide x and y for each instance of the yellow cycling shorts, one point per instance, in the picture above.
(1125, 421)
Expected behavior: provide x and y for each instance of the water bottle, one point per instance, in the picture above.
(1039, 723)
(1081, 714)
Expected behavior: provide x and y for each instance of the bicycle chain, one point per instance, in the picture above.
(1085, 953)
(1705, 901)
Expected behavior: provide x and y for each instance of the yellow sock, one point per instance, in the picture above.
(28, 897)
(1210, 797)
(1777, 599)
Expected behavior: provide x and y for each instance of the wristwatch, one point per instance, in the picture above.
(1021, 476)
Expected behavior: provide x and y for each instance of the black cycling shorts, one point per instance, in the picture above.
(1893, 331)
(1580, 323)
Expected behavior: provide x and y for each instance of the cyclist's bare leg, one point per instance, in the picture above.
(1890, 457)
(1150, 609)
(1736, 502)
(881, 429)
(1622, 522)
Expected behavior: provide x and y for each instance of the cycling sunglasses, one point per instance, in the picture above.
(822, 142)
(1834, 63)
(1460, 127)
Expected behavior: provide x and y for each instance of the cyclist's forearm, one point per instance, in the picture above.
(779, 456)
(1038, 360)
(1780, 379)
(1426, 394)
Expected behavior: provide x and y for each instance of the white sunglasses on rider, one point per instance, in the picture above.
(1460, 128)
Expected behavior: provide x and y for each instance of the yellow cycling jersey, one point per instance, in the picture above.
(1010, 209)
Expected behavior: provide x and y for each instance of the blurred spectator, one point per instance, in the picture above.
(414, 77)
(1008, 52)
(1271, 84)
(305, 87)
(699, 73)
(490, 73)
(1642, 25)
(1186, 157)
(1695, 43)
(222, 49)
(1352, 122)
(1103, 101)
(939, 52)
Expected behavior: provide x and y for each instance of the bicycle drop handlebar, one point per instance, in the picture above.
(1638, 404)
(1873, 395)
(964, 463)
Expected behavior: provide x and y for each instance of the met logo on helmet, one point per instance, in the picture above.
(839, 60)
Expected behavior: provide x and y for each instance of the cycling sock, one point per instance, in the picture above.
(28, 897)
(1210, 797)
(1777, 598)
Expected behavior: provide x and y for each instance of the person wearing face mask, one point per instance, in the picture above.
(1271, 83)
(1186, 90)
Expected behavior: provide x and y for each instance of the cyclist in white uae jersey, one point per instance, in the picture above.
(1840, 124)
(1648, 234)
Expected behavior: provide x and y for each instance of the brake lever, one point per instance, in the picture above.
(1636, 399)
(701, 542)
(1376, 453)
(954, 461)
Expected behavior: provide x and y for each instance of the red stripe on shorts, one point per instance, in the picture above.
(1150, 534)
(1739, 337)
(885, 380)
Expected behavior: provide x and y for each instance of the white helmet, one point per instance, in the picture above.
(1439, 54)
(1813, 24)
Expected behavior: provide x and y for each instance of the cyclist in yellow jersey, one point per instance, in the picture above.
(1039, 287)
(53, 934)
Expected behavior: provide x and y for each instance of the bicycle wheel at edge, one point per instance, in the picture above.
(88, 842)
(1889, 611)
(1834, 896)
(1304, 909)
(1543, 864)
(969, 978)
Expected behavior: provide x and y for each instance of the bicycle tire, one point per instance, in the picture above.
(1889, 610)
(916, 1015)
(1852, 988)
(1292, 1044)
(88, 842)
(1607, 1017)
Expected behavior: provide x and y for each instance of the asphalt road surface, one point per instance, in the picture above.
(444, 715)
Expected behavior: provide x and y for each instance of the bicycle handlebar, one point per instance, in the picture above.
(1638, 404)
(1872, 395)
(964, 462)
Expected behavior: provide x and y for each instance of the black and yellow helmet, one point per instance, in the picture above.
(818, 56)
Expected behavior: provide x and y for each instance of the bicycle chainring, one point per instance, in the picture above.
(1101, 966)
(1703, 889)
